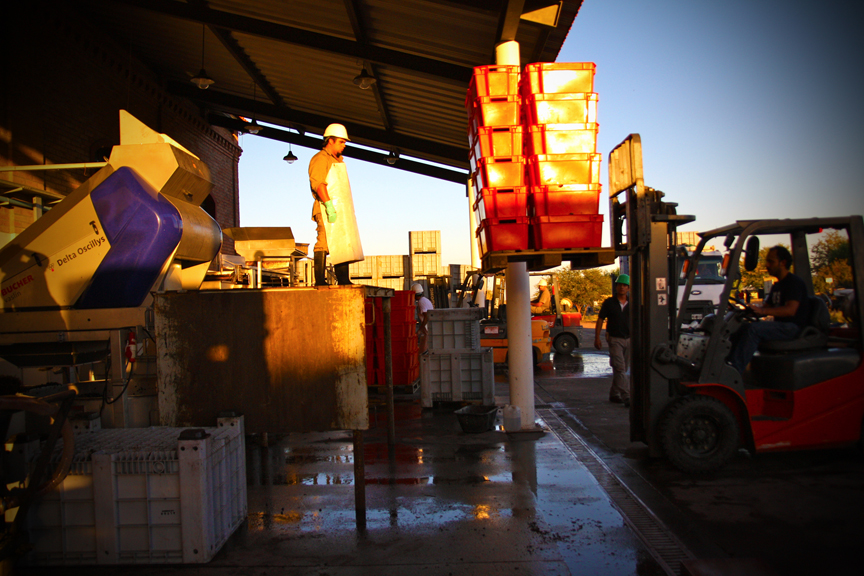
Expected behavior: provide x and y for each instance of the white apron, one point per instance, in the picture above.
(343, 237)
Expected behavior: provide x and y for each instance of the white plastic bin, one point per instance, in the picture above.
(144, 496)
(453, 329)
(457, 376)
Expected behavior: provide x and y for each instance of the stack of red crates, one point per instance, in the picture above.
(403, 340)
(495, 132)
(562, 163)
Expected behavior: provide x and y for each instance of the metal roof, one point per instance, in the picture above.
(293, 63)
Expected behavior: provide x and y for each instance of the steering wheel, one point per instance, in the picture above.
(739, 305)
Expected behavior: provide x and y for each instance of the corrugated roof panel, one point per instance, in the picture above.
(424, 102)
(313, 81)
(305, 14)
(431, 29)
(172, 47)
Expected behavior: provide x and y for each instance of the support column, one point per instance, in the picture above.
(520, 350)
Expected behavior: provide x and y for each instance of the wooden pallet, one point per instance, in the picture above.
(538, 260)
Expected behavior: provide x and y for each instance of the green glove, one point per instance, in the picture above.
(331, 211)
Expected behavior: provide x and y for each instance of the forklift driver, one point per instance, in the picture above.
(787, 303)
(544, 299)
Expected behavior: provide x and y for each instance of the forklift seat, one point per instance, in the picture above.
(798, 371)
(812, 336)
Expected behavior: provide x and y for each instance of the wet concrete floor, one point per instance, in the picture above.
(552, 502)
(791, 513)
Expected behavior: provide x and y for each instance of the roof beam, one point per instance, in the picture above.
(350, 151)
(508, 24)
(233, 48)
(456, 156)
(300, 37)
(351, 7)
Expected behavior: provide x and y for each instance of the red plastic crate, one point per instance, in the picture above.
(500, 172)
(404, 345)
(397, 330)
(402, 298)
(494, 80)
(406, 361)
(501, 203)
(497, 141)
(494, 111)
(583, 231)
(503, 235)
(562, 138)
(562, 169)
(400, 314)
(400, 377)
(564, 200)
(558, 77)
(578, 108)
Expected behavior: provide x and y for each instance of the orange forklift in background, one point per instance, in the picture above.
(565, 326)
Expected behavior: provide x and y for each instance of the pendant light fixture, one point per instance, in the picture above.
(202, 80)
(364, 80)
(290, 158)
(253, 127)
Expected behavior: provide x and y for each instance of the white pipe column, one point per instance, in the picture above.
(520, 348)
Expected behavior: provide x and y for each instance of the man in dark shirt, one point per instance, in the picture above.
(787, 303)
(617, 310)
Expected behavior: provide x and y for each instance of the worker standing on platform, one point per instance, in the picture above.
(333, 210)
(422, 305)
(541, 304)
(617, 310)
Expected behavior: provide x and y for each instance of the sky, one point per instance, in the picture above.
(746, 109)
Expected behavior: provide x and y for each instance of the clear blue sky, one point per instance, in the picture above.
(747, 109)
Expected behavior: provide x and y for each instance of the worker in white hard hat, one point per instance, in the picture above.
(422, 305)
(541, 304)
(333, 210)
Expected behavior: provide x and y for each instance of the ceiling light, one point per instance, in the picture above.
(252, 127)
(290, 158)
(364, 80)
(202, 80)
(392, 158)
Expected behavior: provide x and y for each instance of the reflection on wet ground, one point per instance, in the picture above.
(440, 501)
(581, 364)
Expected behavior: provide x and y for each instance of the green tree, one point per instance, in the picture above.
(829, 258)
(584, 287)
(755, 279)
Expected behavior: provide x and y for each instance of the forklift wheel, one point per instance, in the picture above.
(565, 343)
(699, 434)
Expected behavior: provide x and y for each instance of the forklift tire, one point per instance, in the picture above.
(699, 434)
(565, 343)
(535, 352)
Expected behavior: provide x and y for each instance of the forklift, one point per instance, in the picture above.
(687, 403)
(565, 327)
(493, 329)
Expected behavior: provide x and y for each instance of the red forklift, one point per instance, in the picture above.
(687, 403)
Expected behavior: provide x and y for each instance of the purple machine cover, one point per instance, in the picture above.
(143, 229)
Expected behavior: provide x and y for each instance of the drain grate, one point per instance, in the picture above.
(666, 549)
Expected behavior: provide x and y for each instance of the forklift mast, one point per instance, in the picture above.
(644, 229)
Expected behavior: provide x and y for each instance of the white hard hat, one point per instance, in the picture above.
(543, 282)
(337, 130)
(418, 289)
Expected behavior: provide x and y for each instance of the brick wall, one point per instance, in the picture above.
(62, 85)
